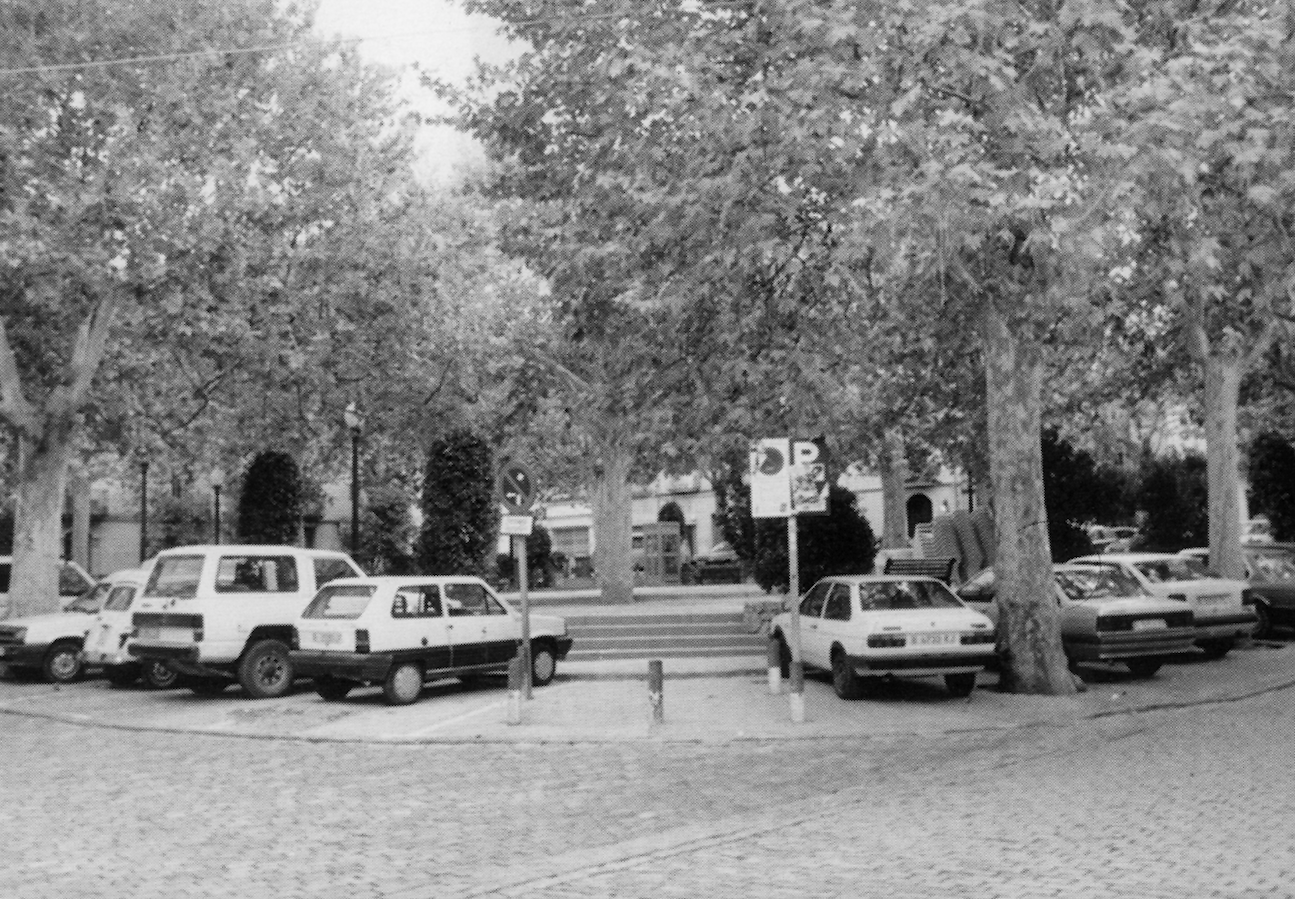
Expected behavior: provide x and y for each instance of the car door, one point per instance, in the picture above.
(466, 608)
(503, 631)
(836, 625)
(813, 650)
(426, 625)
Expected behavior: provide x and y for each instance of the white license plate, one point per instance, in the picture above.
(325, 638)
(939, 639)
(1150, 624)
(150, 633)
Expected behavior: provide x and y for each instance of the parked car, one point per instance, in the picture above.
(1257, 530)
(1270, 569)
(720, 565)
(220, 614)
(73, 581)
(105, 640)
(51, 643)
(403, 632)
(1106, 616)
(1223, 610)
(862, 627)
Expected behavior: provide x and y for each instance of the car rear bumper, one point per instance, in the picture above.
(926, 664)
(1109, 646)
(344, 665)
(184, 658)
(23, 655)
(1226, 627)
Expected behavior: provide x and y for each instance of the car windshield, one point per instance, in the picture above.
(90, 601)
(120, 599)
(1174, 569)
(1098, 583)
(1272, 565)
(340, 601)
(175, 576)
(896, 595)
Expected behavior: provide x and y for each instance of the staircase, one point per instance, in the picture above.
(663, 635)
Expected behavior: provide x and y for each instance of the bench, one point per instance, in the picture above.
(937, 568)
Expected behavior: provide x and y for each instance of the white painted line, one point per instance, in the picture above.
(447, 721)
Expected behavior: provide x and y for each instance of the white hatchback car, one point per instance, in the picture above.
(402, 632)
(1222, 609)
(105, 641)
(861, 627)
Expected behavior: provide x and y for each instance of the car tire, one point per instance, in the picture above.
(121, 675)
(845, 681)
(1216, 649)
(784, 657)
(160, 676)
(333, 689)
(403, 684)
(1264, 624)
(62, 663)
(961, 685)
(544, 664)
(207, 686)
(266, 670)
(1143, 667)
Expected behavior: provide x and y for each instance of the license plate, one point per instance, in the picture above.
(1150, 624)
(150, 633)
(940, 639)
(326, 638)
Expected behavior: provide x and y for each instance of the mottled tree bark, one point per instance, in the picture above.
(613, 526)
(38, 538)
(1223, 374)
(1029, 631)
(79, 495)
(894, 475)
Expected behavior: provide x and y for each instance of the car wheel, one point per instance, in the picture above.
(1216, 649)
(1143, 667)
(1264, 624)
(960, 685)
(207, 686)
(332, 689)
(121, 675)
(403, 684)
(266, 671)
(62, 663)
(544, 664)
(784, 657)
(844, 680)
(159, 676)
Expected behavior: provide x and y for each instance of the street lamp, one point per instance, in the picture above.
(217, 479)
(143, 509)
(354, 422)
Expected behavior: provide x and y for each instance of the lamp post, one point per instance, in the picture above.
(143, 509)
(354, 423)
(217, 479)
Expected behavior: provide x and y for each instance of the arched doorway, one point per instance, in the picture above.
(919, 511)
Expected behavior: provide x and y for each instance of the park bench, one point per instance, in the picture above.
(937, 568)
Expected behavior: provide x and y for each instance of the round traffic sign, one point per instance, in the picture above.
(516, 488)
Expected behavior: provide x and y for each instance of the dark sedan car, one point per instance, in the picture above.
(719, 566)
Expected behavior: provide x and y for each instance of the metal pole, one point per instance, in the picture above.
(656, 691)
(355, 491)
(143, 510)
(515, 690)
(519, 550)
(797, 686)
(216, 523)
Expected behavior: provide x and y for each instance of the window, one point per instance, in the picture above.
(342, 601)
(812, 605)
(72, 582)
(468, 599)
(119, 599)
(891, 595)
(838, 603)
(256, 574)
(417, 602)
(175, 576)
(331, 569)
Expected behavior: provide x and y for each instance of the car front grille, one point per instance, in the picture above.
(10, 636)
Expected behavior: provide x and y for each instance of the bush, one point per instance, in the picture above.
(1173, 495)
(1272, 483)
(387, 533)
(840, 542)
(1077, 490)
(460, 514)
(541, 562)
(184, 520)
(269, 504)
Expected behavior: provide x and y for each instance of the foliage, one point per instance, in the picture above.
(460, 511)
(183, 520)
(840, 542)
(1272, 482)
(270, 501)
(1171, 498)
(733, 503)
(1076, 491)
(541, 564)
(387, 532)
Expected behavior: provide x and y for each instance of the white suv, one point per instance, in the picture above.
(222, 613)
(403, 631)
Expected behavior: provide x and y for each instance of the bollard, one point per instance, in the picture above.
(775, 666)
(797, 692)
(656, 691)
(515, 690)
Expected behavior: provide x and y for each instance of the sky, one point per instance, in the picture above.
(438, 37)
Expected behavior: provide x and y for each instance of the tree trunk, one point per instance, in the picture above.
(1029, 631)
(38, 522)
(613, 527)
(79, 495)
(1222, 393)
(894, 475)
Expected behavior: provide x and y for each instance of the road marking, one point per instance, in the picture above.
(446, 721)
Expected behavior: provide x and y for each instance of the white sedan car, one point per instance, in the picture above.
(1223, 609)
(861, 627)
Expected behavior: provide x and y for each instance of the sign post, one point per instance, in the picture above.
(517, 493)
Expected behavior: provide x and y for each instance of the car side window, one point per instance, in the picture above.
(812, 605)
(256, 574)
(119, 599)
(71, 583)
(838, 603)
(466, 599)
(330, 569)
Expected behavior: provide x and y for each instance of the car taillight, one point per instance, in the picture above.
(1247, 598)
(294, 642)
(1177, 597)
(361, 640)
(886, 641)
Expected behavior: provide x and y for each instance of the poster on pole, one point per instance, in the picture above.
(809, 484)
(770, 475)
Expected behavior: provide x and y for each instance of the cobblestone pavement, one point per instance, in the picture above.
(1194, 802)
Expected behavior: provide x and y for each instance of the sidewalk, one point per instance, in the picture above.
(702, 700)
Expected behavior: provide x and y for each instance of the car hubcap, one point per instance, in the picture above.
(543, 665)
(408, 681)
(63, 665)
(270, 669)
